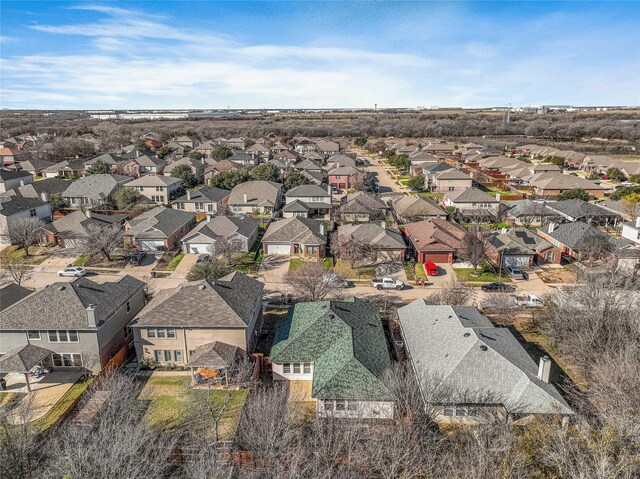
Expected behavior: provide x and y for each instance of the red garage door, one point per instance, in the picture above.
(438, 258)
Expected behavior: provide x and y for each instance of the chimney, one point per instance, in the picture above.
(471, 175)
(323, 230)
(21, 182)
(77, 157)
(544, 369)
(638, 222)
(137, 153)
(91, 316)
(551, 228)
(328, 188)
(503, 231)
(383, 225)
(209, 218)
(244, 197)
(189, 195)
(498, 196)
(44, 196)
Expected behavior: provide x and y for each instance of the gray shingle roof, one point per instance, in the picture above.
(22, 358)
(159, 222)
(414, 206)
(518, 241)
(295, 230)
(374, 234)
(572, 234)
(470, 195)
(12, 293)
(576, 209)
(258, 193)
(308, 190)
(214, 355)
(472, 361)
(10, 205)
(6, 174)
(204, 194)
(224, 227)
(96, 187)
(63, 305)
(227, 303)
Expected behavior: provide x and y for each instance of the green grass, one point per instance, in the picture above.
(82, 259)
(173, 406)
(343, 268)
(435, 196)
(410, 271)
(420, 272)
(486, 276)
(295, 263)
(15, 253)
(62, 406)
(245, 262)
(173, 264)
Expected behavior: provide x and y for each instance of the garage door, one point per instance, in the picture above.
(198, 248)
(278, 249)
(150, 245)
(519, 261)
(436, 258)
(73, 243)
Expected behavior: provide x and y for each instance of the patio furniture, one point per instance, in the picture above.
(23, 359)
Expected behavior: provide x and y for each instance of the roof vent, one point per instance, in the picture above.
(202, 287)
(61, 288)
(332, 316)
(483, 347)
(466, 335)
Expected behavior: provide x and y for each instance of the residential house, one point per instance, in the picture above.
(339, 160)
(304, 145)
(631, 230)
(255, 197)
(296, 236)
(143, 165)
(568, 237)
(345, 178)
(326, 147)
(236, 143)
(241, 232)
(159, 189)
(308, 165)
(187, 141)
(219, 167)
(10, 179)
(339, 347)
(207, 199)
(435, 240)
(65, 169)
(551, 184)
(307, 201)
(362, 207)
(452, 180)
(197, 167)
(158, 229)
(16, 208)
(84, 323)
(176, 322)
(416, 207)
(33, 166)
(244, 159)
(429, 170)
(522, 248)
(94, 190)
(112, 161)
(70, 231)
(261, 152)
(528, 213)
(420, 159)
(11, 294)
(469, 371)
(407, 150)
(207, 147)
(579, 210)
(387, 243)
(7, 156)
(285, 156)
(474, 203)
(441, 148)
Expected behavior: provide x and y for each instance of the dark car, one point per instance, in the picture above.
(136, 259)
(497, 288)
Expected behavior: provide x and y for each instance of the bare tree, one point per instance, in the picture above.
(226, 247)
(19, 270)
(26, 232)
(311, 282)
(594, 247)
(102, 239)
(351, 249)
(454, 293)
(500, 307)
(20, 447)
(474, 247)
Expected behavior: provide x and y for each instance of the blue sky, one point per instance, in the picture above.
(180, 54)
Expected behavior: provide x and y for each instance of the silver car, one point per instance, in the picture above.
(74, 271)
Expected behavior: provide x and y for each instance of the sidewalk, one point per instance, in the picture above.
(184, 266)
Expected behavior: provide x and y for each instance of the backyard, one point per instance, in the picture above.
(173, 406)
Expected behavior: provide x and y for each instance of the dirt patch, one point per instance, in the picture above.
(556, 275)
(99, 261)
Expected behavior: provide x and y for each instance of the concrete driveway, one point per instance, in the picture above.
(181, 271)
(273, 269)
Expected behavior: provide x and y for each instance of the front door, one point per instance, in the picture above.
(296, 249)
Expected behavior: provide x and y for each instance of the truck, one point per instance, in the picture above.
(525, 300)
(387, 283)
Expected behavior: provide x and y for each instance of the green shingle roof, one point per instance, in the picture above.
(346, 343)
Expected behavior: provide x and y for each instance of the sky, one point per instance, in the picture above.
(280, 54)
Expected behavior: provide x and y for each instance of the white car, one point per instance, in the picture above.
(77, 272)
(528, 301)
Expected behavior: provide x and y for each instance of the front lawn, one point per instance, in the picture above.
(173, 264)
(246, 262)
(295, 263)
(344, 270)
(15, 253)
(486, 275)
(173, 406)
(82, 259)
(420, 272)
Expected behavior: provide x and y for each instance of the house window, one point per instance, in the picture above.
(159, 188)
(452, 188)
(35, 335)
(200, 206)
(151, 333)
(32, 213)
(167, 355)
(550, 256)
(296, 368)
(171, 333)
(158, 355)
(307, 368)
(461, 411)
(67, 360)
(313, 249)
(352, 405)
(161, 333)
(177, 354)
(128, 306)
(286, 368)
(63, 336)
(448, 411)
(140, 188)
(341, 405)
(210, 207)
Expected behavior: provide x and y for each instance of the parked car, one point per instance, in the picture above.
(335, 281)
(528, 301)
(74, 271)
(387, 283)
(431, 269)
(136, 259)
(497, 288)
(516, 273)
